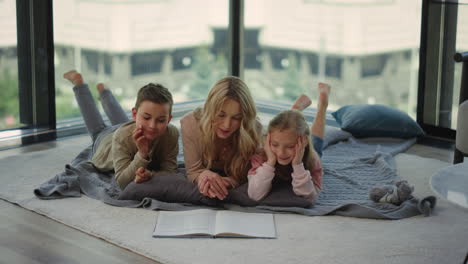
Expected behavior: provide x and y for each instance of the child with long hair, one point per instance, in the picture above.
(220, 138)
(289, 153)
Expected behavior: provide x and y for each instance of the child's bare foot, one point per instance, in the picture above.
(301, 103)
(100, 87)
(74, 77)
(324, 91)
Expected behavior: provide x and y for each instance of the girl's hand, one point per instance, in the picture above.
(142, 175)
(271, 157)
(257, 160)
(142, 143)
(300, 148)
(212, 185)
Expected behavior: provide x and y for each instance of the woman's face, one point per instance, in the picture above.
(228, 119)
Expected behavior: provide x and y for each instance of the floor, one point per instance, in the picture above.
(27, 237)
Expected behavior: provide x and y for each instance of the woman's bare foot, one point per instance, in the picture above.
(324, 92)
(100, 87)
(74, 77)
(301, 103)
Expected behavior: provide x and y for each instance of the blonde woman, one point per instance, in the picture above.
(220, 138)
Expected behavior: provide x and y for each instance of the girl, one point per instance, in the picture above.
(220, 138)
(289, 155)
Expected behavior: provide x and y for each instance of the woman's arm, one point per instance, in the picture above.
(192, 148)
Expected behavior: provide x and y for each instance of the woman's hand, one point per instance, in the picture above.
(142, 143)
(142, 175)
(300, 148)
(212, 185)
(271, 157)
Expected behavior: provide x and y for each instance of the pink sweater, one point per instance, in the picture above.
(305, 183)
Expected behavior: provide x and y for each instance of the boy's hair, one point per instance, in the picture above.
(245, 140)
(155, 93)
(295, 120)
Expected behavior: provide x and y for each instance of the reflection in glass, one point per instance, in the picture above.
(367, 50)
(460, 46)
(9, 103)
(127, 44)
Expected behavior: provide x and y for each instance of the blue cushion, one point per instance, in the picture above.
(376, 121)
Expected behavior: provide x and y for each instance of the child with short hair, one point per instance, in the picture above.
(138, 149)
(289, 155)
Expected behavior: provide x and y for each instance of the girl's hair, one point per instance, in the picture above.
(295, 120)
(245, 139)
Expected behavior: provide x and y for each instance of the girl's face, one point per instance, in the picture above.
(283, 145)
(153, 118)
(228, 119)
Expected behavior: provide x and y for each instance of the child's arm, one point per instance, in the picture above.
(169, 152)
(260, 178)
(126, 159)
(302, 183)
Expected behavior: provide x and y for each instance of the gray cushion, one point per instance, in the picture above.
(167, 188)
(176, 189)
(376, 121)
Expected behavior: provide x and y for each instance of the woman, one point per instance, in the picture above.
(220, 138)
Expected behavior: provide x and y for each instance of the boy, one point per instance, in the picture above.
(138, 149)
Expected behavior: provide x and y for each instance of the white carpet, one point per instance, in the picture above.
(440, 238)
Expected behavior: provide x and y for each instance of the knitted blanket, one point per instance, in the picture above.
(351, 168)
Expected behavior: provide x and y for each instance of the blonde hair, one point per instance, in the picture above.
(295, 121)
(245, 139)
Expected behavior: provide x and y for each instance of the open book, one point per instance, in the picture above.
(214, 223)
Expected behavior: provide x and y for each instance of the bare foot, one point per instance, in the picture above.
(74, 77)
(301, 103)
(324, 92)
(100, 87)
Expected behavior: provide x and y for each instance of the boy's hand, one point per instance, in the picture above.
(300, 148)
(271, 157)
(142, 143)
(142, 175)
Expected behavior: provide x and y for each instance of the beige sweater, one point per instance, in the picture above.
(118, 152)
(191, 141)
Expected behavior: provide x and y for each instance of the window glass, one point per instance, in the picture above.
(461, 46)
(127, 44)
(9, 102)
(367, 50)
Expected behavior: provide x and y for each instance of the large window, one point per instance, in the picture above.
(127, 44)
(367, 50)
(460, 46)
(9, 103)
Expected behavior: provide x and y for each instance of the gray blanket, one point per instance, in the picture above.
(351, 168)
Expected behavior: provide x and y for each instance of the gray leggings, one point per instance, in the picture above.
(91, 116)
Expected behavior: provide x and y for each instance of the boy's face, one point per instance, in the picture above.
(283, 145)
(153, 118)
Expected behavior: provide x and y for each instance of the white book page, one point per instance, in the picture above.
(245, 224)
(185, 223)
